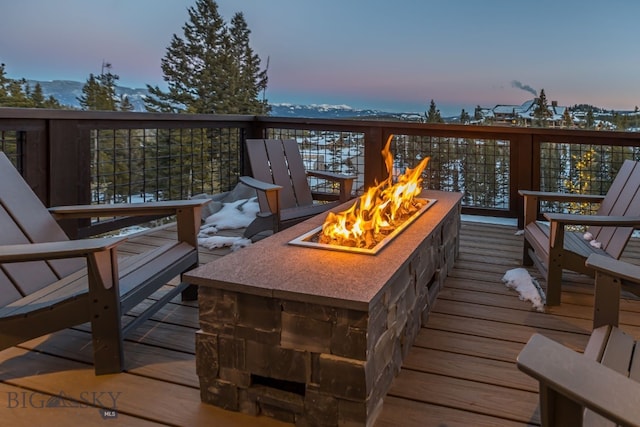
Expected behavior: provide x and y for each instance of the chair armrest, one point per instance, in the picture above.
(259, 185)
(56, 250)
(561, 197)
(169, 207)
(187, 213)
(595, 220)
(581, 380)
(614, 267)
(558, 221)
(345, 181)
(532, 201)
(270, 191)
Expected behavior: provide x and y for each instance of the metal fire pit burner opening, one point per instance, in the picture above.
(306, 239)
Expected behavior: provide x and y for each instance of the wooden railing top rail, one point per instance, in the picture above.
(400, 127)
(42, 113)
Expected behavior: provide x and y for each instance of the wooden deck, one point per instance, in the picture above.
(460, 372)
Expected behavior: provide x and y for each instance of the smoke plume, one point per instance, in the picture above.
(528, 88)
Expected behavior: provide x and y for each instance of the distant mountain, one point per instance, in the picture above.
(324, 111)
(67, 93)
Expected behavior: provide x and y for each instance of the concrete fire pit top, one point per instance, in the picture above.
(274, 268)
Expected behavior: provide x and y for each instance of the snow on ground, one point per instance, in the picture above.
(528, 287)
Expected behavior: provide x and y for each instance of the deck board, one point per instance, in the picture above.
(461, 370)
(467, 395)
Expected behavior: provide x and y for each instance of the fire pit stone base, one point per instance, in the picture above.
(318, 361)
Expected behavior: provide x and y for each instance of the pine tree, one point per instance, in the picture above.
(99, 92)
(582, 179)
(18, 97)
(250, 81)
(12, 92)
(477, 114)
(621, 121)
(4, 81)
(115, 156)
(464, 117)
(566, 118)
(433, 115)
(37, 97)
(541, 111)
(125, 104)
(91, 94)
(18, 93)
(212, 69)
(590, 119)
(38, 100)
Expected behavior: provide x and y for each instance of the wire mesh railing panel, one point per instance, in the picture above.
(133, 165)
(580, 169)
(479, 168)
(333, 151)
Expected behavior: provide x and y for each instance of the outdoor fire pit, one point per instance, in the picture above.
(315, 337)
(311, 239)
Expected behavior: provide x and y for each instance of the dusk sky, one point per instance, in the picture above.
(388, 55)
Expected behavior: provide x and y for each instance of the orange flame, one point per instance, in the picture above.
(379, 211)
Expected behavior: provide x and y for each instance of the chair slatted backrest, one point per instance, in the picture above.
(25, 219)
(8, 292)
(279, 162)
(622, 199)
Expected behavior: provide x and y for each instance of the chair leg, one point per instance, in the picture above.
(106, 330)
(262, 223)
(558, 410)
(190, 293)
(106, 327)
(606, 307)
(526, 256)
(554, 283)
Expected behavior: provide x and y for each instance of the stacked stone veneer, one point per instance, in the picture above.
(318, 364)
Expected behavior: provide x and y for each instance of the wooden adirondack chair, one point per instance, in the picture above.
(280, 179)
(48, 282)
(598, 388)
(552, 248)
(602, 386)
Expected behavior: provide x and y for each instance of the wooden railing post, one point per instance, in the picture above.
(69, 174)
(523, 172)
(374, 169)
(34, 146)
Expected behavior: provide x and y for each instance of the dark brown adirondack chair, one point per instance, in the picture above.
(601, 386)
(49, 283)
(552, 248)
(280, 179)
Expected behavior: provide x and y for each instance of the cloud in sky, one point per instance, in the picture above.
(374, 52)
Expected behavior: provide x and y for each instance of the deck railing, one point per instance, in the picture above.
(71, 157)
